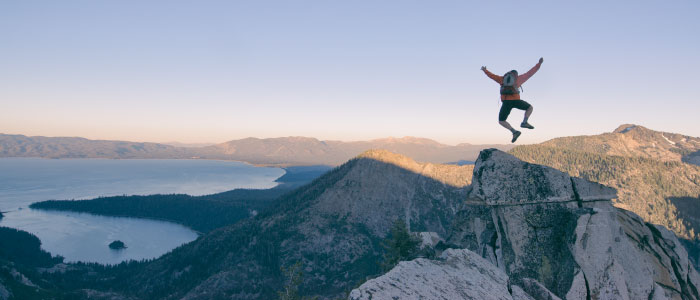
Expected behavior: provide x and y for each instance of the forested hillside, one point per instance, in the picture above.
(637, 141)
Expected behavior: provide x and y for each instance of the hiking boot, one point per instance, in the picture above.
(516, 134)
(526, 125)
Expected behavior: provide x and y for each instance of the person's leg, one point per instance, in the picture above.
(528, 112)
(522, 104)
(506, 107)
(507, 126)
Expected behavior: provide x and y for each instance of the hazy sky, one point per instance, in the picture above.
(212, 71)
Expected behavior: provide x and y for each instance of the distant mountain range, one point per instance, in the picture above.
(76, 147)
(284, 151)
(303, 150)
(188, 145)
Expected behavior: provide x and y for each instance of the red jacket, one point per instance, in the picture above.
(521, 79)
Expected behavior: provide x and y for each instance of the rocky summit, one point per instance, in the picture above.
(527, 231)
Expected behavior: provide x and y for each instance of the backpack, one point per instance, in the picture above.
(508, 87)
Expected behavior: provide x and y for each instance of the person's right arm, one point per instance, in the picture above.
(495, 77)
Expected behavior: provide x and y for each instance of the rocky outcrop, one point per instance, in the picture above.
(502, 179)
(459, 274)
(555, 236)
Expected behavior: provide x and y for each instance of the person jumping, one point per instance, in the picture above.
(510, 96)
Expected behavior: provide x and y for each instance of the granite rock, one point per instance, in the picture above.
(458, 274)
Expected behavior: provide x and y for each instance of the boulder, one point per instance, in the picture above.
(458, 274)
(502, 179)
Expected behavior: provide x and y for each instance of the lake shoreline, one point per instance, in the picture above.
(208, 205)
(83, 236)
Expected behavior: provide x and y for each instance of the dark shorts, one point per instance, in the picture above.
(508, 105)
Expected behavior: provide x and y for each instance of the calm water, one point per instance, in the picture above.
(84, 237)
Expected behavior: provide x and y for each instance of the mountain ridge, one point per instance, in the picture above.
(635, 140)
(75, 147)
(284, 151)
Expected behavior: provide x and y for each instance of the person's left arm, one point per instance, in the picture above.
(528, 74)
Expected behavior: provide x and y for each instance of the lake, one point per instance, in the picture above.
(85, 237)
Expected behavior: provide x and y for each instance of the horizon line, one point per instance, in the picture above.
(253, 137)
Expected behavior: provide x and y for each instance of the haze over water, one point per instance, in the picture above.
(84, 237)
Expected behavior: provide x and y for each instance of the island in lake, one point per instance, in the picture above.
(117, 245)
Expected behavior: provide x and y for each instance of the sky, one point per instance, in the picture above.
(213, 71)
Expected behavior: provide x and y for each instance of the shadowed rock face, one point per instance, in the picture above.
(556, 236)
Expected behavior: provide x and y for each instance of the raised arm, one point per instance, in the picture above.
(524, 77)
(495, 77)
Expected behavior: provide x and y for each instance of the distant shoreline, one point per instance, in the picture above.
(142, 158)
(199, 213)
(270, 152)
